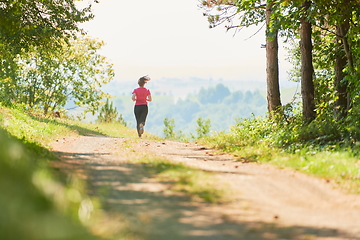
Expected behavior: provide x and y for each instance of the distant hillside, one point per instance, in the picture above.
(180, 88)
(180, 99)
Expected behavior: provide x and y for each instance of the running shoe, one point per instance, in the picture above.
(141, 129)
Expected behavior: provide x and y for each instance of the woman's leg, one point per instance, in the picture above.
(137, 112)
(141, 112)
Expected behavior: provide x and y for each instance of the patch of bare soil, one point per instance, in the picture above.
(267, 202)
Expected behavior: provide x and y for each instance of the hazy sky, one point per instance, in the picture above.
(171, 38)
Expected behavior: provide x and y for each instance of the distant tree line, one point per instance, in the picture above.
(217, 104)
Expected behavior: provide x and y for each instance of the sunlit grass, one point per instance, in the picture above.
(25, 126)
(336, 165)
(115, 130)
(339, 167)
(42, 203)
(44, 130)
(57, 206)
(36, 204)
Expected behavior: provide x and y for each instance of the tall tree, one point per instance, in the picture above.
(341, 101)
(48, 80)
(272, 63)
(27, 24)
(307, 68)
(346, 11)
(338, 21)
(244, 14)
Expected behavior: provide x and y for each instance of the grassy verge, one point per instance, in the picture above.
(45, 130)
(260, 140)
(339, 167)
(41, 203)
(36, 205)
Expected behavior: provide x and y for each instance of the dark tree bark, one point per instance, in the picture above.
(341, 103)
(345, 57)
(272, 66)
(307, 68)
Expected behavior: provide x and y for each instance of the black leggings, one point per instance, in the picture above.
(141, 112)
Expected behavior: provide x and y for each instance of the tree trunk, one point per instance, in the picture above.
(307, 69)
(341, 102)
(343, 29)
(272, 65)
(342, 35)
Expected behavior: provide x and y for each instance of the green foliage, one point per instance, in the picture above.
(185, 111)
(29, 127)
(47, 80)
(335, 33)
(327, 149)
(203, 128)
(44, 204)
(121, 120)
(38, 204)
(222, 114)
(42, 64)
(109, 114)
(41, 202)
(236, 13)
(169, 131)
(25, 24)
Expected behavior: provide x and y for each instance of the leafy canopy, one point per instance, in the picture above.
(47, 80)
(25, 23)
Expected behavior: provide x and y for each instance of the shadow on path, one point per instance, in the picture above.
(156, 213)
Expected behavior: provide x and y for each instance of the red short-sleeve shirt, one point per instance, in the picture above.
(141, 95)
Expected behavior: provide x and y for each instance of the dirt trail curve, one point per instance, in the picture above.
(268, 203)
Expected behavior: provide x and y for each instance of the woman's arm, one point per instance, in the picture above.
(133, 97)
(149, 98)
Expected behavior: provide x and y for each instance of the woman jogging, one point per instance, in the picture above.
(141, 96)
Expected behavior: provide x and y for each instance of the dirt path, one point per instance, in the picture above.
(268, 203)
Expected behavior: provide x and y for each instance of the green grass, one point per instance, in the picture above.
(33, 129)
(257, 141)
(339, 167)
(43, 131)
(36, 204)
(42, 203)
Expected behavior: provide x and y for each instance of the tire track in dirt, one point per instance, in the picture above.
(268, 203)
